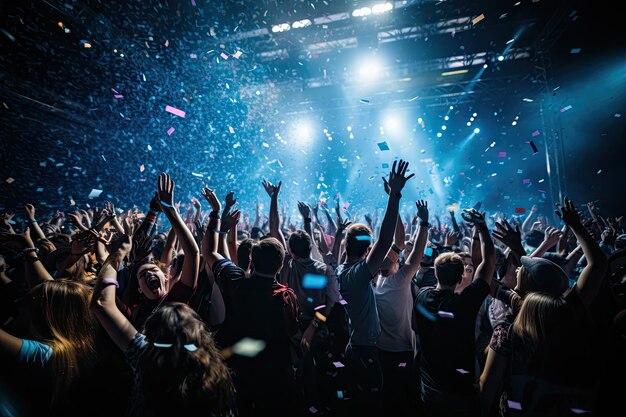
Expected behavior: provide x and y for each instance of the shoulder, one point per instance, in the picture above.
(225, 268)
(135, 349)
(500, 339)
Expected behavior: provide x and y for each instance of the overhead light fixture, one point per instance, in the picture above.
(363, 11)
(457, 72)
(283, 27)
(382, 8)
(301, 24)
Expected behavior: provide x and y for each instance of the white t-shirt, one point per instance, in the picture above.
(395, 306)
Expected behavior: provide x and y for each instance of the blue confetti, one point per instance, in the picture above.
(314, 282)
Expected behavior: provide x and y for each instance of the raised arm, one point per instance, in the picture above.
(412, 263)
(487, 266)
(552, 236)
(305, 212)
(25, 249)
(397, 180)
(336, 251)
(191, 263)
(273, 191)
(511, 237)
(210, 241)
(229, 224)
(32, 221)
(168, 249)
(103, 304)
(528, 221)
(591, 277)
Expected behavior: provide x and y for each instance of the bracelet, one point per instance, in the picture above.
(26, 251)
(31, 220)
(151, 217)
(214, 215)
(395, 248)
(111, 281)
(164, 204)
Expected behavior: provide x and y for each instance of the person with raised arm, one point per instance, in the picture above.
(445, 329)
(152, 281)
(356, 285)
(394, 300)
(258, 308)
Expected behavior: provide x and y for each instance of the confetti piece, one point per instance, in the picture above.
(364, 101)
(10, 180)
(579, 411)
(340, 395)
(193, 3)
(520, 171)
(520, 210)
(338, 364)
(599, 171)
(478, 18)
(528, 100)
(383, 146)
(237, 54)
(320, 316)
(446, 314)
(231, 130)
(526, 181)
(142, 168)
(532, 144)
(224, 56)
(118, 96)
(318, 307)
(430, 316)
(574, 51)
(175, 111)
(170, 131)
(343, 302)
(314, 282)
(249, 347)
(501, 154)
(514, 405)
(11, 37)
(402, 365)
(453, 207)
(462, 371)
(94, 193)
(566, 108)
(535, 133)
(313, 410)
(618, 115)
(363, 238)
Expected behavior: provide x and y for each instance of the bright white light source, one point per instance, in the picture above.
(451, 107)
(475, 114)
(370, 69)
(303, 131)
(446, 118)
(471, 119)
(514, 123)
(283, 27)
(500, 58)
(382, 8)
(420, 120)
(439, 134)
(349, 128)
(392, 124)
(301, 24)
(485, 66)
(469, 123)
(363, 11)
(476, 130)
(444, 127)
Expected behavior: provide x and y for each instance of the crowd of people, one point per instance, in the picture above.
(183, 310)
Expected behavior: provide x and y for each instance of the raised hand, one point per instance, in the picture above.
(83, 242)
(141, 245)
(386, 187)
(230, 200)
(154, 203)
(212, 199)
(568, 213)
(30, 211)
(129, 225)
(552, 236)
(304, 209)
(165, 191)
(230, 220)
(451, 238)
(506, 234)
(16, 242)
(271, 189)
(196, 203)
(397, 176)
(473, 216)
(422, 210)
(343, 225)
(609, 235)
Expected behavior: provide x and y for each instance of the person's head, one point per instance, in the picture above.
(359, 239)
(267, 256)
(243, 253)
(152, 281)
(541, 316)
(620, 242)
(59, 316)
(449, 269)
(256, 233)
(182, 368)
(539, 274)
(468, 266)
(300, 244)
(534, 238)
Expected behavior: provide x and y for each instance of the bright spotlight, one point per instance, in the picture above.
(500, 58)
(485, 66)
(439, 134)
(469, 123)
(392, 124)
(301, 24)
(363, 11)
(451, 107)
(283, 27)
(369, 69)
(475, 114)
(444, 127)
(382, 8)
(349, 128)
(446, 118)
(303, 131)
(476, 130)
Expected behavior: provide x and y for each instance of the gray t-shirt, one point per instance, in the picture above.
(357, 289)
(394, 301)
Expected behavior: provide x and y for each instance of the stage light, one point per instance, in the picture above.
(500, 58)
(304, 131)
(392, 124)
(444, 127)
(471, 119)
(469, 123)
(485, 66)
(349, 128)
(363, 11)
(439, 134)
(475, 114)
(369, 69)
(420, 120)
(476, 130)
(451, 107)
(446, 118)
(513, 123)
(283, 27)
(301, 24)
(382, 8)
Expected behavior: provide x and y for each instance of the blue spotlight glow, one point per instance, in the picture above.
(476, 130)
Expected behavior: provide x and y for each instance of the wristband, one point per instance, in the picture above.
(31, 220)
(395, 249)
(111, 281)
(26, 251)
(164, 204)
(151, 216)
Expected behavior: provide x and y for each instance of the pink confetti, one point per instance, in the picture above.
(193, 3)
(224, 56)
(338, 364)
(170, 130)
(313, 410)
(115, 91)
(535, 133)
(502, 154)
(526, 181)
(175, 111)
(514, 405)
(343, 302)
(118, 96)
(345, 206)
(462, 371)
(319, 307)
(446, 314)
(402, 365)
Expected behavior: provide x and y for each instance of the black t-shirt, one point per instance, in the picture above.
(445, 332)
(252, 311)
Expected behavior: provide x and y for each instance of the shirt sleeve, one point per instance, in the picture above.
(135, 349)
(332, 288)
(34, 353)
(225, 271)
(361, 273)
(500, 340)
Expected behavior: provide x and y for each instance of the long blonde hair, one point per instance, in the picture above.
(61, 318)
